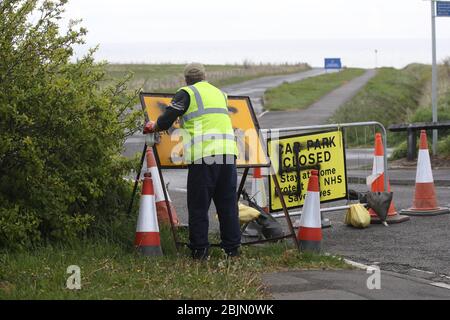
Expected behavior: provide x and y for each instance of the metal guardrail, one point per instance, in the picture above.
(269, 132)
(322, 210)
(411, 129)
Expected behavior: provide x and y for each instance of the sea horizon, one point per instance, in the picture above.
(363, 53)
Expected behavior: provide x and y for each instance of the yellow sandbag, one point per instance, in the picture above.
(357, 216)
(247, 214)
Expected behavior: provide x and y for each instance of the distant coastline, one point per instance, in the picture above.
(353, 52)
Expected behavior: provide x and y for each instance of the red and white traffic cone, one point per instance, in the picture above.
(310, 231)
(259, 190)
(376, 182)
(161, 205)
(425, 202)
(148, 240)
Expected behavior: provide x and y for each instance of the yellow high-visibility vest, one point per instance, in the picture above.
(207, 125)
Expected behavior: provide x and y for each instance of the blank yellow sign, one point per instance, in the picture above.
(170, 150)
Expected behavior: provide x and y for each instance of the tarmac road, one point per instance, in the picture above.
(421, 243)
(255, 88)
(351, 285)
(319, 112)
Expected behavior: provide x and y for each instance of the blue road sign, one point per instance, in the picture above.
(333, 63)
(443, 8)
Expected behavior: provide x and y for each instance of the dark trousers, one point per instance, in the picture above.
(218, 182)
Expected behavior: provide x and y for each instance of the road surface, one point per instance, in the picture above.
(351, 285)
(255, 88)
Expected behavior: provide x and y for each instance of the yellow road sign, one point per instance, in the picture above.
(169, 151)
(294, 156)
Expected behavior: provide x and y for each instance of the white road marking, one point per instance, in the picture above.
(429, 272)
(364, 267)
(441, 285)
(356, 264)
(260, 116)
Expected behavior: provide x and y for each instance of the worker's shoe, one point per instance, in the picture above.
(200, 254)
(233, 253)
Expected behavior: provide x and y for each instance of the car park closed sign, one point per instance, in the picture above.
(293, 157)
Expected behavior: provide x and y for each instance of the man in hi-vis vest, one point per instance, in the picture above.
(210, 151)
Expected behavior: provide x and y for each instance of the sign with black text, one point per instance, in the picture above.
(293, 157)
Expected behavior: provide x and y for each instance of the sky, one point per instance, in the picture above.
(112, 23)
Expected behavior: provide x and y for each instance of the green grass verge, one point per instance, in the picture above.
(113, 271)
(169, 77)
(390, 97)
(397, 96)
(301, 94)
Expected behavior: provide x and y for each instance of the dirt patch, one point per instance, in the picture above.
(436, 163)
(7, 287)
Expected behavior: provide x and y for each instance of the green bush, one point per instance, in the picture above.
(17, 227)
(61, 130)
(400, 151)
(425, 114)
(444, 146)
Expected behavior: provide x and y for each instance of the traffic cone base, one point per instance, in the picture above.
(421, 212)
(397, 218)
(310, 246)
(310, 239)
(393, 216)
(148, 243)
(150, 251)
(425, 197)
(378, 185)
(425, 201)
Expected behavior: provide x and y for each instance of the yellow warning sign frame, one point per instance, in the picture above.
(323, 151)
(252, 152)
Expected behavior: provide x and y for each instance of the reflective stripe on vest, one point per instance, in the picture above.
(209, 136)
(207, 122)
(201, 108)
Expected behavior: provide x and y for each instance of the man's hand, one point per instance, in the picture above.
(150, 127)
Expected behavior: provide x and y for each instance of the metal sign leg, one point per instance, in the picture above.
(169, 210)
(136, 181)
(242, 184)
(283, 205)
